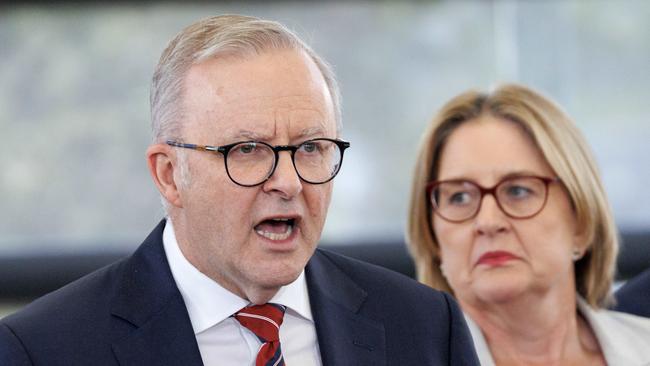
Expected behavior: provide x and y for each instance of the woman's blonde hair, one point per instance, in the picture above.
(565, 150)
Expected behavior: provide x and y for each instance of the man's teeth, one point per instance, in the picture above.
(276, 236)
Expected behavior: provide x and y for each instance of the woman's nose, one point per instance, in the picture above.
(490, 218)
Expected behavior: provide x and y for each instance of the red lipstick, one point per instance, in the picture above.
(496, 258)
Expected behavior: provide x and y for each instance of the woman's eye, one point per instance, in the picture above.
(459, 198)
(519, 191)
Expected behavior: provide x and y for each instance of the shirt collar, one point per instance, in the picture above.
(480, 344)
(607, 328)
(622, 337)
(208, 303)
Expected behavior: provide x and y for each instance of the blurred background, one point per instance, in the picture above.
(74, 117)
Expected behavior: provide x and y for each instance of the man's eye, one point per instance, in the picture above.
(246, 148)
(309, 147)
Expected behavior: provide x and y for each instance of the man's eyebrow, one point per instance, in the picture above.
(250, 135)
(311, 131)
(307, 132)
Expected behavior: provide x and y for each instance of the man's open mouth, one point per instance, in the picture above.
(276, 229)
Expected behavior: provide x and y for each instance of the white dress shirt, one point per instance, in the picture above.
(221, 339)
(623, 338)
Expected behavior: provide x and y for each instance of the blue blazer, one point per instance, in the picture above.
(131, 313)
(634, 296)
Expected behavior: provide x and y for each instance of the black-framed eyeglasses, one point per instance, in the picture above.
(251, 163)
(519, 197)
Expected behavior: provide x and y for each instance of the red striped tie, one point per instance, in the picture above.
(264, 321)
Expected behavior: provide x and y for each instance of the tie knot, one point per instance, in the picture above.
(263, 320)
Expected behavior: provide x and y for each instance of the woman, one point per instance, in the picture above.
(508, 213)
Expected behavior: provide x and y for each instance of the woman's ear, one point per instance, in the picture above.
(580, 243)
(161, 166)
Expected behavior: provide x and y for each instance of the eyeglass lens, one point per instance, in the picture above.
(315, 161)
(518, 197)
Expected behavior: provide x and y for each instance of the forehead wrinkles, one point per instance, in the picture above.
(258, 112)
(235, 102)
(294, 124)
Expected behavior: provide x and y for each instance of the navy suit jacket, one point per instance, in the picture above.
(132, 313)
(634, 296)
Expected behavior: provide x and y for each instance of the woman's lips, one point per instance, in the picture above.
(496, 258)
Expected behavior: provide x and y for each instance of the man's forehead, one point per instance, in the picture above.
(260, 100)
(235, 112)
(263, 135)
(283, 75)
(293, 67)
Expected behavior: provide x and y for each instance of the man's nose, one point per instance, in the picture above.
(285, 180)
(490, 219)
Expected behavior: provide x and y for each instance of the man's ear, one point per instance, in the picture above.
(161, 166)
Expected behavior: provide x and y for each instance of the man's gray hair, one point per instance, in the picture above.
(226, 35)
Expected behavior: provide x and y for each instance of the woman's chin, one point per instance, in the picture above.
(498, 293)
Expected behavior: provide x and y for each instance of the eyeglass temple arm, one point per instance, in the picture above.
(194, 146)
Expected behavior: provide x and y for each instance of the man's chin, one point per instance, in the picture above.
(268, 287)
(275, 280)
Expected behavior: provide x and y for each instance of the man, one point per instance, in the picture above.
(634, 296)
(246, 128)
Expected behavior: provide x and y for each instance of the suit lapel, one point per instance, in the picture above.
(345, 337)
(148, 298)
